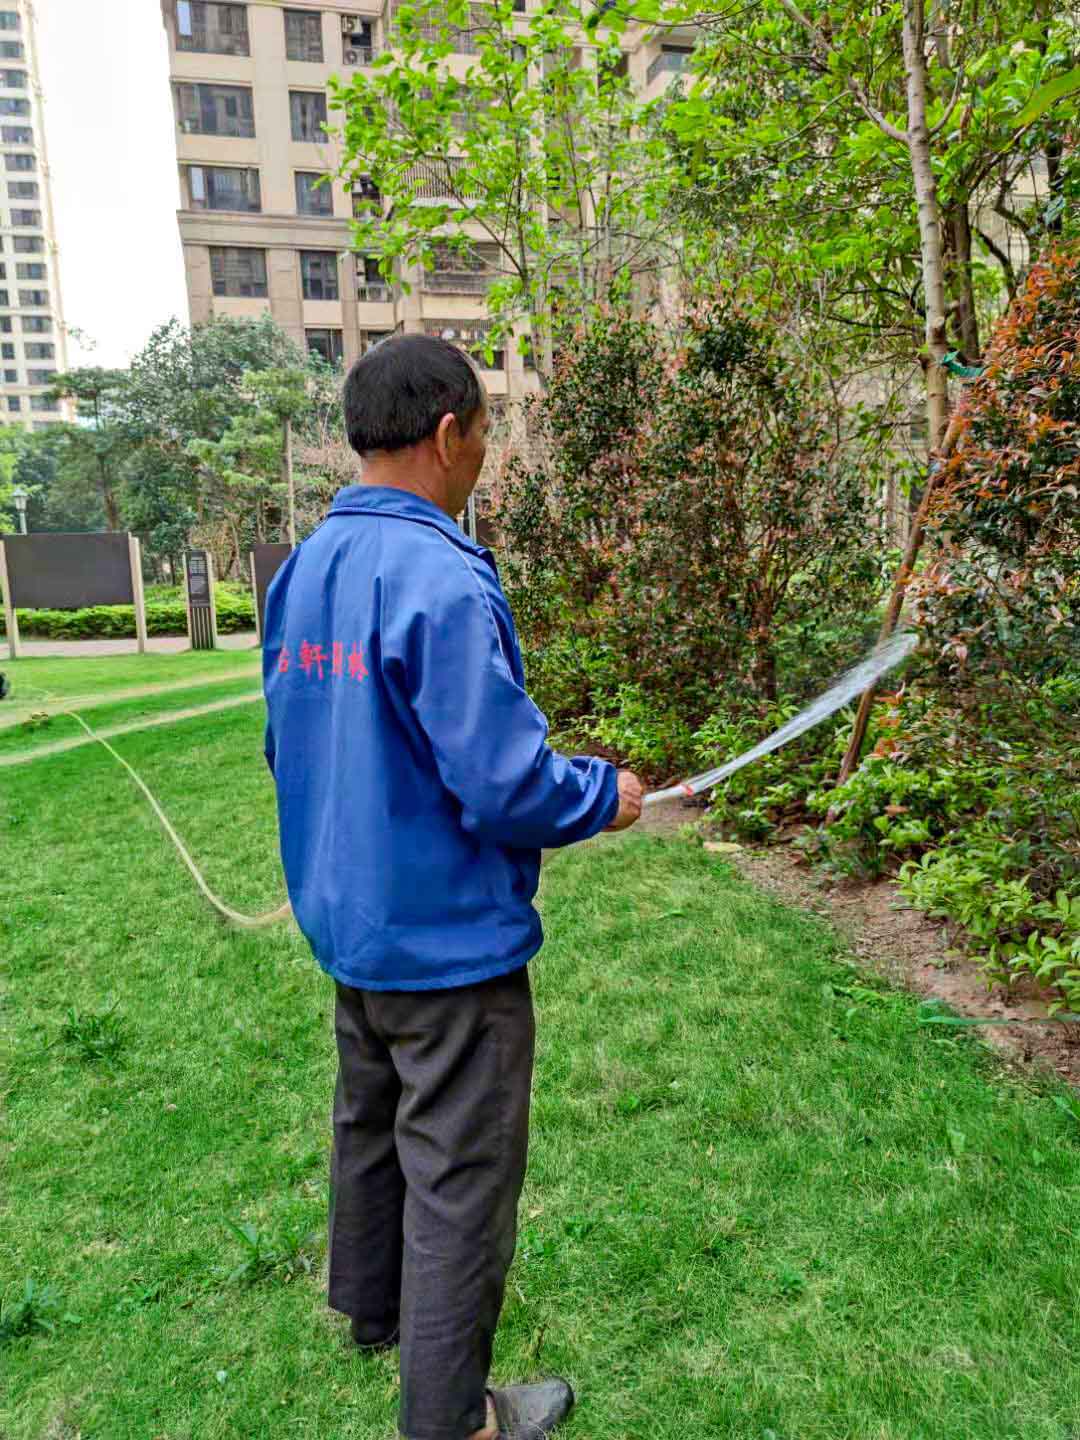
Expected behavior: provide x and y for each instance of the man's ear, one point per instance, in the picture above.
(446, 438)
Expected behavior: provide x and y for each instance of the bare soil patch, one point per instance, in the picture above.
(901, 944)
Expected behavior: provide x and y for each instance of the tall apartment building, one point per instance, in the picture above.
(33, 343)
(259, 230)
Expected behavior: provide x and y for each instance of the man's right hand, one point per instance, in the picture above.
(631, 793)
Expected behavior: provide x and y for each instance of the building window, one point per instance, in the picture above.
(7, 351)
(12, 50)
(43, 402)
(5, 300)
(463, 272)
(28, 244)
(36, 324)
(471, 336)
(366, 197)
(303, 35)
(5, 324)
(39, 350)
(26, 217)
(328, 344)
(212, 27)
(672, 58)
(314, 195)
(9, 20)
(239, 273)
(13, 79)
(214, 188)
(373, 337)
(33, 297)
(215, 110)
(17, 134)
(11, 377)
(307, 110)
(14, 106)
(14, 402)
(32, 270)
(370, 285)
(20, 161)
(318, 271)
(22, 190)
(41, 377)
(357, 42)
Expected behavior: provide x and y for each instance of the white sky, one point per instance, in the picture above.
(109, 128)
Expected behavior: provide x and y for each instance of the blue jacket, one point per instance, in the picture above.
(415, 783)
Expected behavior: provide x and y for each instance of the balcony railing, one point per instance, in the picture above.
(439, 179)
(374, 293)
(670, 60)
(457, 282)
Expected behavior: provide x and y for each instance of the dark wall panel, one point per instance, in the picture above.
(268, 561)
(65, 572)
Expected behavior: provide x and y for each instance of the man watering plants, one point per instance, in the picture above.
(415, 791)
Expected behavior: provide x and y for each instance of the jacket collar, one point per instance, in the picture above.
(403, 505)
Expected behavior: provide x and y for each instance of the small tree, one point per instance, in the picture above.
(100, 446)
(687, 516)
(1000, 601)
(535, 161)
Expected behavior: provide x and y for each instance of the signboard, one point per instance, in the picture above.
(199, 586)
(68, 572)
(266, 561)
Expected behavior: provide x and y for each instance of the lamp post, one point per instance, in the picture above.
(21, 497)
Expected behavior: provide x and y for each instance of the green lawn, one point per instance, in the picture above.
(71, 678)
(34, 732)
(758, 1206)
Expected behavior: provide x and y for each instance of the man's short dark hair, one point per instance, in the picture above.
(397, 393)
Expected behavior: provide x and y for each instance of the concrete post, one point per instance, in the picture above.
(10, 619)
(137, 595)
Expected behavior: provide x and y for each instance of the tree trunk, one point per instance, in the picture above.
(896, 601)
(287, 465)
(963, 290)
(108, 499)
(922, 171)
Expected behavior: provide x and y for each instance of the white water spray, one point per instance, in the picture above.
(860, 677)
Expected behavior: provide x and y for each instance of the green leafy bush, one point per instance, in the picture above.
(166, 616)
(978, 880)
(678, 510)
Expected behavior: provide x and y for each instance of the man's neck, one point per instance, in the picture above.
(395, 475)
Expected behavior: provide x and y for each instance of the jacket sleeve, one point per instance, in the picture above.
(489, 739)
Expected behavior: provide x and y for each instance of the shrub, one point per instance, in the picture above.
(235, 612)
(680, 512)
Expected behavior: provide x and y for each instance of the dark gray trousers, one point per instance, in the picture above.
(431, 1128)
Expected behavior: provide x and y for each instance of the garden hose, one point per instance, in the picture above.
(852, 682)
(234, 917)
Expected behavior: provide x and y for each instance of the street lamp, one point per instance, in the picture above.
(21, 497)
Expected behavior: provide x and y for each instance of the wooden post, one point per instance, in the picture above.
(137, 595)
(896, 599)
(255, 597)
(10, 618)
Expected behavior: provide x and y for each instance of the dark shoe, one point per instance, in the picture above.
(365, 1339)
(530, 1412)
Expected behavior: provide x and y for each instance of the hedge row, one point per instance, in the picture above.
(235, 611)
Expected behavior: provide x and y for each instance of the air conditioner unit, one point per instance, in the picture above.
(349, 23)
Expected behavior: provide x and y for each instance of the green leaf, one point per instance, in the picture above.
(1048, 95)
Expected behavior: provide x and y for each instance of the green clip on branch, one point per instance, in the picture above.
(952, 363)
